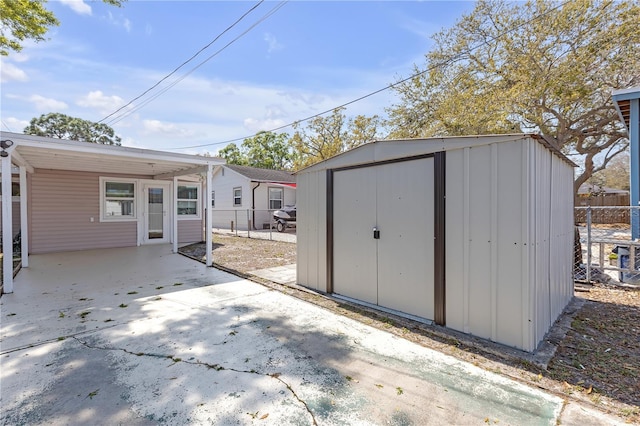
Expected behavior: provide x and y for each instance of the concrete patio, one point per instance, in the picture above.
(142, 336)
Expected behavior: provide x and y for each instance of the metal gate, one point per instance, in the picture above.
(605, 250)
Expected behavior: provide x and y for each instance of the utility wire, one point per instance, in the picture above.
(163, 90)
(185, 62)
(390, 86)
(7, 126)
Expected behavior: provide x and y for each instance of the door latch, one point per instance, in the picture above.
(376, 233)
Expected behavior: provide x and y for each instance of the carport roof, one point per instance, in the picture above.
(37, 152)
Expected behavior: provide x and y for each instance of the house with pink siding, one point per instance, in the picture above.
(79, 196)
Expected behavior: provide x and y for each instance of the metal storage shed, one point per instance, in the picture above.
(474, 233)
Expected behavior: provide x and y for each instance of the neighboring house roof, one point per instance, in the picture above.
(589, 188)
(263, 175)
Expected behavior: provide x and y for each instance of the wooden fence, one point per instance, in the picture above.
(618, 213)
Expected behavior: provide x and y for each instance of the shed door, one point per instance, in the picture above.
(396, 270)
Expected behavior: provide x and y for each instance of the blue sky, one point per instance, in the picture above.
(304, 58)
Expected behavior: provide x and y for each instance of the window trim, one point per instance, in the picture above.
(103, 199)
(233, 195)
(213, 199)
(281, 199)
(198, 201)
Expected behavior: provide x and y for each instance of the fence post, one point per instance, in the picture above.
(588, 265)
(248, 223)
(270, 225)
(235, 212)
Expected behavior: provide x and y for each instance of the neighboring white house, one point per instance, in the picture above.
(249, 195)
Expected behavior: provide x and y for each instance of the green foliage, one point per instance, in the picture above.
(266, 150)
(61, 126)
(231, 153)
(327, 136)
(534, 66)
(22, 20)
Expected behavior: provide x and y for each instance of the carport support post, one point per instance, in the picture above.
(209, 213)
(7, 222)
(24, 222)
(174, 228)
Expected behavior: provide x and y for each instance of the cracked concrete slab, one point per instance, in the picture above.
(217, 349)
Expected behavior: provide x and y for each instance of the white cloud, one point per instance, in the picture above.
(13, 124)
(166, 129)
(78, 6)
(119, 21)
(255, 125)
(10, 72)
(272, 43)
(19, 57)
(100, 102)
(47, 104)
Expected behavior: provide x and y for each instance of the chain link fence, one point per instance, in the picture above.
(605, 249)
(253, 223)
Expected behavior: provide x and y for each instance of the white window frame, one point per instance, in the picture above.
(103, 200)
(213, 199)
(198, 201)
(281, 199)
(233, 194)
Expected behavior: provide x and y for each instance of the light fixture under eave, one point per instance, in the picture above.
(4, 145)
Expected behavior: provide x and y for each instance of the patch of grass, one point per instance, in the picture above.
(133, 292)
(108, 320)
(122, 305)
(177, 284)
(92, 394)
(379, 386)
(61, 314)
(399, 390)
(61, 338)
(11, 314)
(159, 287)
(84, 314)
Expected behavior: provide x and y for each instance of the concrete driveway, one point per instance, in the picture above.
(142, 336)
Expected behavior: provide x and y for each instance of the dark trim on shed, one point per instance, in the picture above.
(439, 241)
(329, 231)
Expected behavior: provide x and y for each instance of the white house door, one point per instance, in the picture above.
(156, 213)
(392, 267)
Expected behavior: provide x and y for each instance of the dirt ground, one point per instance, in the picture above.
(596, 362)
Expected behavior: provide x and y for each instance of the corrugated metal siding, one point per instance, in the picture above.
(61, 205)
(190, 231)
(509, 234)
(311, 230)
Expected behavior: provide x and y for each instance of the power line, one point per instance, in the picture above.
(7, 126)
(185, 62)
(165, 89)
(390, 86)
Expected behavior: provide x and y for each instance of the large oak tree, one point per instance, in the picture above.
(61, 126)
(538, 66)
